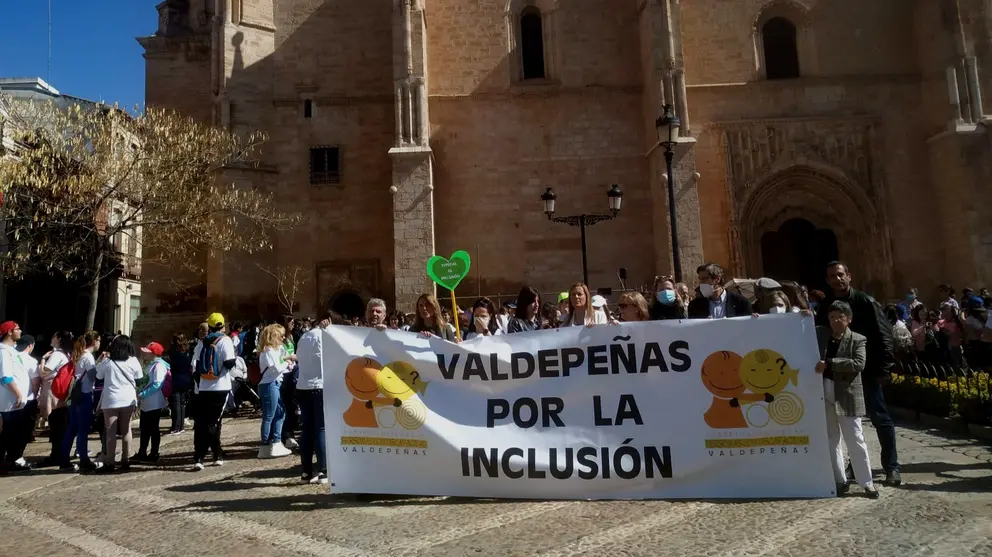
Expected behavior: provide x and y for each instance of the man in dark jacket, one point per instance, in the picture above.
(715, 301)
(870, 322)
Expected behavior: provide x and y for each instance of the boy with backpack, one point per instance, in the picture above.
(216, 359)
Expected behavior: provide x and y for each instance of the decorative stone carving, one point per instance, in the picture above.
(757, 149)
(361, 276)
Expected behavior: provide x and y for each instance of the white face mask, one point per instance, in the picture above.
(776, 309)
(706, 290)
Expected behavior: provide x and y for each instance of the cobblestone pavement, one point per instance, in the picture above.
(257, 508)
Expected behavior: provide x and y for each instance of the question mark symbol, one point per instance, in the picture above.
(415, 375)
(781, 363)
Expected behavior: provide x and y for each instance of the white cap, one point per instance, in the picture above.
(598, 301)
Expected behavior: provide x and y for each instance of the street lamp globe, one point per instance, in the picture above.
(549, 198)
(668, 127)
(615, 197)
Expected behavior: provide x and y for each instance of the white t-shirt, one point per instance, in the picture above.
(55, 362)
(11, 365)
(86, 363)
(155, 400)
(31, 367)
(310, 362)
(272, 364)
(119, 379)
(223, 351)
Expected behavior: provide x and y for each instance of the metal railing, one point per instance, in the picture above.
(942, 389)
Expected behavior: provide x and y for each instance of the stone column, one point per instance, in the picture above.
(663, 84)
(413, 175)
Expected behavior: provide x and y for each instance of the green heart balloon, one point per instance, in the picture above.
(449, 272)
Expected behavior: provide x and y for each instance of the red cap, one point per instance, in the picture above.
(7, 327)
(153, 348)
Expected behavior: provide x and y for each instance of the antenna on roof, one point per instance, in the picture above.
(49, 78)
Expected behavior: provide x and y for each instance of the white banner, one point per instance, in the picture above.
(728, 408)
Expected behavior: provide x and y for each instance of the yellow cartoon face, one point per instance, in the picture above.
(391, 386)
(409, 375)
(766, 371)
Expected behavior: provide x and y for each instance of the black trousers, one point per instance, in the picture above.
(28, 421)
(11, 435)
(58, 422)
(149, 426)
(177, 407)
(287, 392)
(207, 429)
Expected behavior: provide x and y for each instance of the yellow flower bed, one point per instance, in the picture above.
(968, 398)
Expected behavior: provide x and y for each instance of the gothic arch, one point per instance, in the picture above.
(515, 9)
(798, 14)
(829, 200)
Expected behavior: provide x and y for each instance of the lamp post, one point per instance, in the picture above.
(614, 196)
(668, 137)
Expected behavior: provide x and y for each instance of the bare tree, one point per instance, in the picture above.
(290, 281)
(90, 175)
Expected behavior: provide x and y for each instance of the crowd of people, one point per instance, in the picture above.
(89, 382)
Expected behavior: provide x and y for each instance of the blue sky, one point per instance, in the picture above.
(94, 54)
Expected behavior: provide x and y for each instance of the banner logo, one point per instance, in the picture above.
(749, 391)
(383, 396)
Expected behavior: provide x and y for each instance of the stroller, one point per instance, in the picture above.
(244, 395)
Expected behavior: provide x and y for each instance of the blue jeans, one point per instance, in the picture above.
(273, 413)
(312, 438)
(878, 412)
(80, 421)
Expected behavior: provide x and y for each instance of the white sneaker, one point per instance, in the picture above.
(198, 467)
(320, 478)
(279, 450)
(219, 462)
(291, 444)
(265, 451)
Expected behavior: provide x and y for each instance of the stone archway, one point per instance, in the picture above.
(348, 303)
(799, 251)
(825, 200)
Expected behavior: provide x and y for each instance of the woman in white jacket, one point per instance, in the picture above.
(120, 372)
(273, 363)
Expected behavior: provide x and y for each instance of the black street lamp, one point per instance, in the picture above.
(668, 137)
(615, 197)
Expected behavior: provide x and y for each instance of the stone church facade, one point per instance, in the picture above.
(811, 129)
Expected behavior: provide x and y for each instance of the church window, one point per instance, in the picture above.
(325, 165)
(780, 49)
(308, 108)
(532, 44)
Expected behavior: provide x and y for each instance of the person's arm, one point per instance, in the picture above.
(157, 377)
(846, 369)
(885, 347)
(98, 372)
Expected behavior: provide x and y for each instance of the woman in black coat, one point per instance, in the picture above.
(182, 381)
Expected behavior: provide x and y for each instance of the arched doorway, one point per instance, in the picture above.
(348, 304)
(799, 251)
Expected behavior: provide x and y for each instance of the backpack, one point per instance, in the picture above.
(65, 381)
(209, 366)
(167, 382)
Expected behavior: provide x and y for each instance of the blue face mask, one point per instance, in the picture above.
(666, 297)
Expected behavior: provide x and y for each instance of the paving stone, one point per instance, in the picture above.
(259, 508)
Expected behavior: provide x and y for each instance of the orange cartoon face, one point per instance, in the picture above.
(360, 376)
(721, 374)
